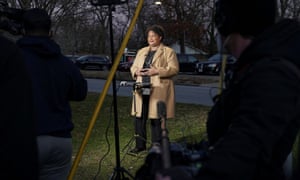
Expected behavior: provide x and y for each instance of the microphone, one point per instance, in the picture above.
(126, 83)
(135, 84)
(161, 110)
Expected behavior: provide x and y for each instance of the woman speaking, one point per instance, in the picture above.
(154, 66)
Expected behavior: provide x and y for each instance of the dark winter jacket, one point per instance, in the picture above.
(56, 81)
(253, 125)
(18, 149)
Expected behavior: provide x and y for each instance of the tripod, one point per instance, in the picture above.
(119, 172)
(136, 135)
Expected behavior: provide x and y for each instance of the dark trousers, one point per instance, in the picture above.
(140, 126)
(55, 157)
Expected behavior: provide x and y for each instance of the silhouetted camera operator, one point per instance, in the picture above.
(55, 82)
(18, 149)
(254, 123)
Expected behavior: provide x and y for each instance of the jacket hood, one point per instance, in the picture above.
(42, 46)
(280, 41)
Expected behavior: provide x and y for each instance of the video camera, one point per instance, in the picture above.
(10, 18)
(189, 157)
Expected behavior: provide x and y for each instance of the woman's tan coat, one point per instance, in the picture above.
(162, 85)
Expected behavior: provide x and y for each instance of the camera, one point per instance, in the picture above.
(10, 18)
(187, 156)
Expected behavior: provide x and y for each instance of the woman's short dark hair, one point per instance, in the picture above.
(157, 29)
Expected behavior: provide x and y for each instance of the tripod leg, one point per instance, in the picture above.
(128, 145)
(112, 175)
(124, 171)
(119, 174)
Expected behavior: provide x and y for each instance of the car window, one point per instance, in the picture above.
(98, 59)
(230, 60)
(93, 59)
(82, 58)
(130, 58)
(216, 57)
(192, 59)
(181, 58)
(219, 57)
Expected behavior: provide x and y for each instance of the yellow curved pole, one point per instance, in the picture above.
(105, 89)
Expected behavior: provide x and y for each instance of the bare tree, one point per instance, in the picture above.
(184, 20)
(82, 28)
(289, 8)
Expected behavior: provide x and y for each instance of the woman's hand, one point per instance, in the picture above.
(140, 72)
(152, 71)
(146, 72)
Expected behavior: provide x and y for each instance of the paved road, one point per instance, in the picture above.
(184, 94)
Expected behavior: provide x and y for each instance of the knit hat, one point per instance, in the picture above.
(247, 17)
(36, 20)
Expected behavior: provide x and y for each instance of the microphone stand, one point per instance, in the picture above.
(165, 149)
(135, 86)
(119, 171)
(134, 107)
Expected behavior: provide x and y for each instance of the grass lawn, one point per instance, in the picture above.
(99, 157)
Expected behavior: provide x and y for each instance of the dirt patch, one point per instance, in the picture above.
(184, 79)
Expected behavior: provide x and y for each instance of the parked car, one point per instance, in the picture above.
(101, 62)
(73, 57)
(214, 63)
(125, 66)
(187, 62)
(126, 61)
